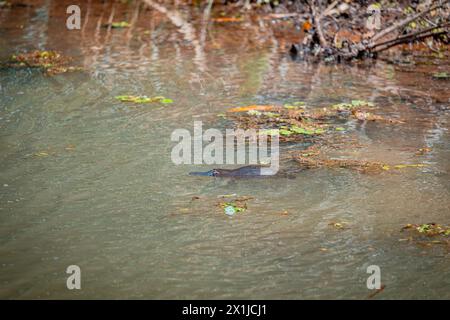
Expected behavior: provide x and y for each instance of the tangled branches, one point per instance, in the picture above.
(345, 29)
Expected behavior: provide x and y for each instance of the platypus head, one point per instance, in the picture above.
(210, 173)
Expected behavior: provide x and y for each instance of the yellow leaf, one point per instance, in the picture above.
(41, 154)
(402, 166)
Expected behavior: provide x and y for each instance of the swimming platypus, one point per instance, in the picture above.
(239, 172)
(247, 172)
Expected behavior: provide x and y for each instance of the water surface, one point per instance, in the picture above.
(88, 180)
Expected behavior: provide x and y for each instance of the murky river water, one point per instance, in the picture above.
(88, 180)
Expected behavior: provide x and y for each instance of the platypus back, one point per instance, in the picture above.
(247, 171)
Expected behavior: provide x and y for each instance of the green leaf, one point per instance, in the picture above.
(271, 114)
(122, 24)
(166, 101)
(295, 105)
(308, 131)
(441, 75)
(423, 228)
(353, 104)
(361, 103)
(285, 132)
(254, 113)
(269, 132)
(298, 130)
(143, 99)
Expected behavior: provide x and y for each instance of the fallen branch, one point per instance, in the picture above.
(382, 40)
(403, 23)
(410, 37)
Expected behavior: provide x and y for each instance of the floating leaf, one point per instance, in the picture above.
(285, 132)
(352, 105)
(423, 228)
(269, 132)
(306, 131)
(166, 101)
(143, 99)
(423, 151)
(252, 107)
(402, 166)
(254, 112)
(70, 147)
(338, 225)
(342, 106)
(361, 103)
(41, 154)
(135, 99)
(441, 75)
(270, 114)
(295, 105)
(122, 24)
(227, 195)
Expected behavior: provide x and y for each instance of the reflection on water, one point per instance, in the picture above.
(87, 180)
